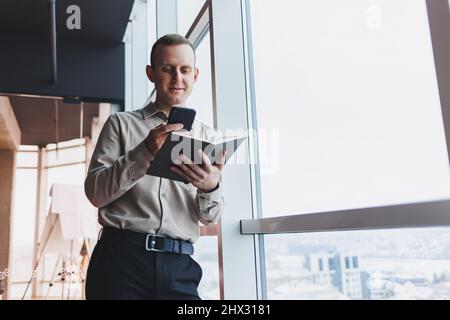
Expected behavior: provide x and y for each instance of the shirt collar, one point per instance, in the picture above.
(151, 110)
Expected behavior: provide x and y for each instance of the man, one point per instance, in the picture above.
(150, 223)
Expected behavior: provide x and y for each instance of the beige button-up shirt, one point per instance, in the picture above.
(130, 199)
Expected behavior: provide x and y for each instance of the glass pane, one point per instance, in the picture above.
(72, 175)
(24, 211)
(27, 159)
(385, 264)
(68, 143)
(347, 95)
(68, 286)
(23, 228)
(201, 96)
(151, 34)
(71, 155)
(206, 254)
(64, 276)
(17, 290)
(187, 11)
(28, 148)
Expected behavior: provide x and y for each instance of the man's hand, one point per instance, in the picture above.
(205, 177)
(157, 136)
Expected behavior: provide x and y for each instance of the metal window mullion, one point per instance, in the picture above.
(230, 111)
(166, 23)
(415, 215)
(200, 26)
(254, 152)
(40, 211)
(128, 68)
(166, 17)
(439, 22)
(136, 57)
(82, 144)
(151, 36)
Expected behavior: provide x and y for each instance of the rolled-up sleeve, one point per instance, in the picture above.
(112, 171)
(209, 206)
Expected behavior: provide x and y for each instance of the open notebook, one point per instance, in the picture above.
(184, 142)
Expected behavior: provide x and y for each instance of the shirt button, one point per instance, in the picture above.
(163, 194)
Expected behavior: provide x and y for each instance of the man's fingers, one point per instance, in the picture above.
(157, 128)
(171, 127)
(194, 168)
(221, 162)
(190, 171)
(206, 161)
(222, 157)
(185, 159)
(180, 172)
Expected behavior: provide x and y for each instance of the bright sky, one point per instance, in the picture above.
(351, 87)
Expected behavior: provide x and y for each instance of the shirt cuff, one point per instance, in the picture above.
(213, 195)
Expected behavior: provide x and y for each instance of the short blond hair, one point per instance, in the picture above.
(169, 40)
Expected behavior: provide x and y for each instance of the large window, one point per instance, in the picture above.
(23, 221)
(206, 254)
(348, 105)
(65, 166)
(385, 264)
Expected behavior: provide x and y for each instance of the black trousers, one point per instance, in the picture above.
(122, 270)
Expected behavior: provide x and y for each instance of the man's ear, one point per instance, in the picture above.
(149, 72)
(196, 72)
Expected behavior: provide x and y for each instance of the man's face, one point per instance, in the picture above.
(174, 74)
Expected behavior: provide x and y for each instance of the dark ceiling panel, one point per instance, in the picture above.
(87, 71)
(24, 16)
(102, 21)
(90, 61)
(36, 118)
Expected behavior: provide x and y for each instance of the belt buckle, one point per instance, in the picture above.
(152, 243)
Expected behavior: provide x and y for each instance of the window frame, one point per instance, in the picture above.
(384, 217)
